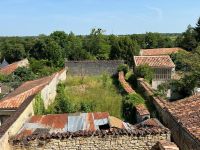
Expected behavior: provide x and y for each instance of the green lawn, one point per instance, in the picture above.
(96, 90)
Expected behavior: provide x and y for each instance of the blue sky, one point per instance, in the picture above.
(34, 17)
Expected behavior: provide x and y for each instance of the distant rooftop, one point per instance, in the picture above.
(154, 61)
(159, 51)
(10, 68)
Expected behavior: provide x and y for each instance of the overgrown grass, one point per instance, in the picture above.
(98, 91)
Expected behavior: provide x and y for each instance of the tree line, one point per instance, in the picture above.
(58, 46)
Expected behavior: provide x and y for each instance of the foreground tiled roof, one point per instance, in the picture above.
(17, 97)
(69, 122)
(187, 112)
(159, 51)
(12, 67)
(150, 126)
(142, 110)
(154, 61)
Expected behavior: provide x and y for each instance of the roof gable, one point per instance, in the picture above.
(154, 61)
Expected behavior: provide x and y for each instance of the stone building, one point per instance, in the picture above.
(163, 67)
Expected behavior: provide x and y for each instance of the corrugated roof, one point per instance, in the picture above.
(150, 126)
(154, 61)
(71, 122)
(159, 51)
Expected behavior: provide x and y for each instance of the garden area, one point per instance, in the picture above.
(88, 94)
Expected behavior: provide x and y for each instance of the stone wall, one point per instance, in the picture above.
(48, 93)
(23, 63)
(93, 67)
(95, 143)
(179, 134)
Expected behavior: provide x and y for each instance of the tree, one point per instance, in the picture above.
(124, 48)
(97, 44)
(13, 51)
(74, 48)
(24, 74)
(145, 71)
(197, 29)
(48, 49)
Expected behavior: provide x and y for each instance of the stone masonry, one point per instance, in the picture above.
(108, 142)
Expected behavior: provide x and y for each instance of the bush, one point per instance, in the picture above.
(145, 71)
(24, 74)
(42, 67)
(123, 67)
(162, 90)
(87, 106)
(129, 103)
(38, 105)
(61, 104)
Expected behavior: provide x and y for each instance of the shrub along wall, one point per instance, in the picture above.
(130, 100)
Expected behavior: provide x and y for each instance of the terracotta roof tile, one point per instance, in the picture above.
(154, 61)
(150, 126)
(187, 112)
(9, 69)
(159, 51)
(14, 99)
(12, 67)
(142, 110)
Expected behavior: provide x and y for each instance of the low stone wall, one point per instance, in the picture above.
(48, 93)
(93, 67)
(180, 135)
(95, 143)
(125, 84)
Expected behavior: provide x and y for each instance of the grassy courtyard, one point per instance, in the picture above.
(98, 92)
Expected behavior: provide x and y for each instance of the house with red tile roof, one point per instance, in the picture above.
(18, 106)
(159, 51)
(46, 86)
(8, 69)
(163, 67)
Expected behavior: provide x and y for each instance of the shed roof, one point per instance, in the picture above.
(84, 124)
(70, 122)
(154, 61)
(159, 51)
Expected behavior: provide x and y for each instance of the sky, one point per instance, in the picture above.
(34, 17)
